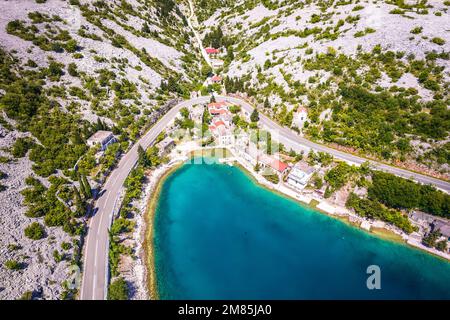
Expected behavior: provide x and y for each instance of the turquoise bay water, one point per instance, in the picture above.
(218, 235)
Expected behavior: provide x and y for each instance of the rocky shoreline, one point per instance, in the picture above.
(135, 270)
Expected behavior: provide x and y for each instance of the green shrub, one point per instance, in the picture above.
(35, 231)
(438, 41)
(71, 46)
(396, 11)
(13, 265)
(72, 69)
(58, 256)
(14, 247)
(272, 178)
(416, 30)
(118, 290)
(55, 70)
(442, 245)
(21, 147)
(27, 295)
(66, 245)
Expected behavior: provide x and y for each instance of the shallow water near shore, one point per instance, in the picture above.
(219, 235)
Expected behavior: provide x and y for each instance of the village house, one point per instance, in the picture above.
(223, 133)
(101, 138)
(300, 117)
(212, 52)
(250, 153)
(220, 110)
(270, 162)
(429, 222)
(165, 146)
(300, 175)
(443, 226)
(214, 79)
(218, 105)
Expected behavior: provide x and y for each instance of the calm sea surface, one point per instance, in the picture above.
(218, 235)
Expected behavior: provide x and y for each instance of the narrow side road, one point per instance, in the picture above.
(197, 35)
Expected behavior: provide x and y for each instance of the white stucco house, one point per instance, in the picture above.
(101, 138)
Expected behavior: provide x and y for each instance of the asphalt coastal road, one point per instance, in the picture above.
(95, 266)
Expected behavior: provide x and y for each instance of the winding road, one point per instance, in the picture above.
(95, 266)
(95, 272)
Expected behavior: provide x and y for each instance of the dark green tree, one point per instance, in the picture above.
(79, 203)
(143, 158)
(85, 187)
(254, 117)
(145, 28)
(118, 290)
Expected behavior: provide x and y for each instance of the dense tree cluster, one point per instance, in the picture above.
(397, 192)
(217, 39)
(338, 176)
(43, 202)
(164, 7)
(234, 85)
(57, 40)
(374, 210)
(206, 8)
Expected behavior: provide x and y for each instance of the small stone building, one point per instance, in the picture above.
(102, 138)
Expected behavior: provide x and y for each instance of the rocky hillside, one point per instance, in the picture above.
(373, 75)
(68, 69)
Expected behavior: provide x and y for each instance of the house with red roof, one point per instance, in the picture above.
(223, 134)
(220, 104)
(212, 51)
(219, 109)
(270, 162)
(216, 79)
